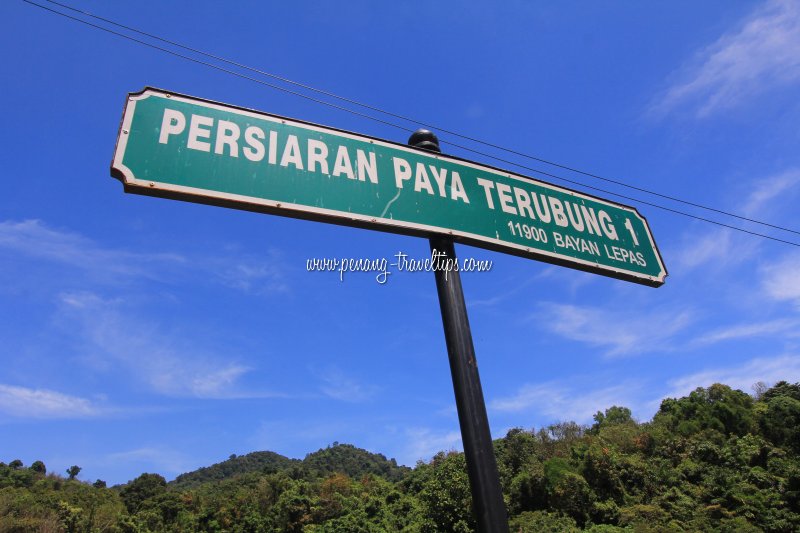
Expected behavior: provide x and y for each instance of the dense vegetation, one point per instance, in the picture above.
(717, 460)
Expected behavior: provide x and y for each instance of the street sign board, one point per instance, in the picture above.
(176, 146)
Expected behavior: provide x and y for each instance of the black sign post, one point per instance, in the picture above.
(487, 497)
(157, 155)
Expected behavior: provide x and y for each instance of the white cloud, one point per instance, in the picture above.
(559, 402)
(763, 52)
(111, 331)
(253, 275)
(772, 190)
(35, 240)
(572, 279)
(580, 399)
(717, 245)
(42, 403)
(424, 443)
(169, 363)
(475, 111)
(724, 248)
(772, 328)
(163, 460)
(742, 377)
(341, 387)
(287, 436)
(620, 333)
(781, 280)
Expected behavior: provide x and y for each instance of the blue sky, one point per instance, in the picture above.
(142, 334)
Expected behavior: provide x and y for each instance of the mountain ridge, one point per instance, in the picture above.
(336, 458)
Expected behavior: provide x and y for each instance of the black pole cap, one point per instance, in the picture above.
(425, 139)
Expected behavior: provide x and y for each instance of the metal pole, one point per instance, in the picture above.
(487, 497)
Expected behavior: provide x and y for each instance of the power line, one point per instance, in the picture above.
(639, 200)
(385, 122)
(422, 123)
(217, 67)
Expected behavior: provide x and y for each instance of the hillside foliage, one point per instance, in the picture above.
(715, 460)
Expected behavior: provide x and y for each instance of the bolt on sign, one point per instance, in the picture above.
(176, 146)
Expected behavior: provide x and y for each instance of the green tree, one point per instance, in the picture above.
(39, 467)
(445, 494)
(780, 422)
(527, 491)
(515, 451)
(73, 471)
(293, 510)
(613, 415)
(717, 408)
(70, 516)
(542, 522)
(715, 460)
(144, 487)
(572, 495)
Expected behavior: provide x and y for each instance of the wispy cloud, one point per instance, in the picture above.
(498, 298)
(620, 333)
(35, 240)
(781, 279)
(251, 275)
(112, 331)
(579, 399)
(424, 443)
(168, 363)
(42, 403)
(724, 248)
(341, 387)
(771, 190)
(772, 328)
(475, 111)
(560, 402)
(715, 245)
(761, 53)
(292, 434)
(161, 459)
(767, 369)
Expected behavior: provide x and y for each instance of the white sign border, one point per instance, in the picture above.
(156, 188)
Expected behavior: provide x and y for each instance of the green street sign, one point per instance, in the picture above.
(176, 146)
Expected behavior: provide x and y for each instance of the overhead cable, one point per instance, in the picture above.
(422, 123)
(394, 125)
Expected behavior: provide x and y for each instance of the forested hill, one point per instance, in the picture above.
(717, 460)
(342, 458)
(264, 462)
(354, 462)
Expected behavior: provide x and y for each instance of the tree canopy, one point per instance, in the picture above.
(715, 460)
